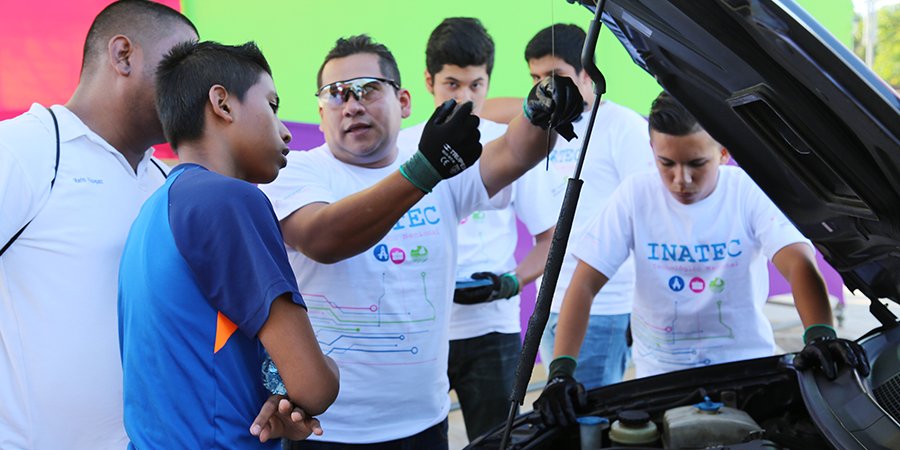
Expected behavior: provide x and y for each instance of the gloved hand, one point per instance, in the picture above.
(449, 144)
(563, 397)
(504, 286)
(555, 102)
(824, 350)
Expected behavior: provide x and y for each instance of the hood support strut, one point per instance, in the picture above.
(538, 320)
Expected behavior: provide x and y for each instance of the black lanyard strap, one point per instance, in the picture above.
(55, 171)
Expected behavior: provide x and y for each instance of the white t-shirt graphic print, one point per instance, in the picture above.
(701, 269)
(488, 239)
(382, 315)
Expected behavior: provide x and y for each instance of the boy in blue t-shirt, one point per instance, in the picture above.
(205, 287)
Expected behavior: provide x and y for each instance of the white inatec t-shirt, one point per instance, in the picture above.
(60, 369)
(382, 315)
(619, 147)
(488, 239)
(702, 278)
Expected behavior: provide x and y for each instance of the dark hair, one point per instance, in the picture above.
(130, 18)
(187, 73)
(568, 39)
(362, 44)
(668, 116)
(460, 41)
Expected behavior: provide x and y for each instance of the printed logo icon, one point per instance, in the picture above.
(419, 254)
(398, 255)
(717, 285)
(381, 252)
(676, 283)
(698, 285)
(478, 216)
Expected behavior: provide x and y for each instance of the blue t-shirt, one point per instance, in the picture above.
(201, 267)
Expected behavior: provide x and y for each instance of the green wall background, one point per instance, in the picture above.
(296, 35)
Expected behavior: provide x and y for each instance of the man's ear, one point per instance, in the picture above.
(221, 103)
(725, 156)
(405, 103)
(429, 82)
(120, 51)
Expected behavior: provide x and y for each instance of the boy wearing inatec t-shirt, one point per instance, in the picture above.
(701, 234)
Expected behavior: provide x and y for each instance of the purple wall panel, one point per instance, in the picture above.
(305, 135)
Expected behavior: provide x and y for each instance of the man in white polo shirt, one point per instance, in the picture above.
(60, 372)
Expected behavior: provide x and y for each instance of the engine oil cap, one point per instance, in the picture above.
(709, 406)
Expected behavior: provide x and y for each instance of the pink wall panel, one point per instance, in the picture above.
(40, 50)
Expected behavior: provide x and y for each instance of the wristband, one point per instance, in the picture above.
(818, 331)
(525, 109)
(509, 285)
(420, 173)
(562, 366)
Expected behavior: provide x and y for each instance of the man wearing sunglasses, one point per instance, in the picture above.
(372, 230)
(484, 321)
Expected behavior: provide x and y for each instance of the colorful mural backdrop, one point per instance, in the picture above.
(41, 45)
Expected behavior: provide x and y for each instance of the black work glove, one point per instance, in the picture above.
(555, 102)
(450, 143)
(563, 397)
(824, 350)
(503, 286)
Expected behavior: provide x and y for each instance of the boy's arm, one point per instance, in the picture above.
(332, 232)
(796, 262)
(823, 349)
(311, 378)
(552, 103)
(576, 309)
(532, 265)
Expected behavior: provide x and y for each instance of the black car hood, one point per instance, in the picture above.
(815, 128)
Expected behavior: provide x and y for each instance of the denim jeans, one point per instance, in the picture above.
(604, 353)
(434, 438)
(482, 370)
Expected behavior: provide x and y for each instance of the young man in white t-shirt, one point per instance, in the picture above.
(373, 238)
(484, 321)
(701, 234)
(619, 147)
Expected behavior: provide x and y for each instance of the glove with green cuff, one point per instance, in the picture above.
(826, 351)
(563, 397)
(501, 287)
(450, 143)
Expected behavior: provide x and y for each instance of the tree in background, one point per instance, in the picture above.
(886, 61)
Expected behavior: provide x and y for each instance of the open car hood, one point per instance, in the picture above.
(814, 127)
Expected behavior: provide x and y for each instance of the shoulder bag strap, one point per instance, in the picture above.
(55, 171)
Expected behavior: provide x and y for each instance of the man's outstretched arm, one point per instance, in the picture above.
(332, 232)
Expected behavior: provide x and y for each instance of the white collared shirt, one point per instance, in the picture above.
(60, 370)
